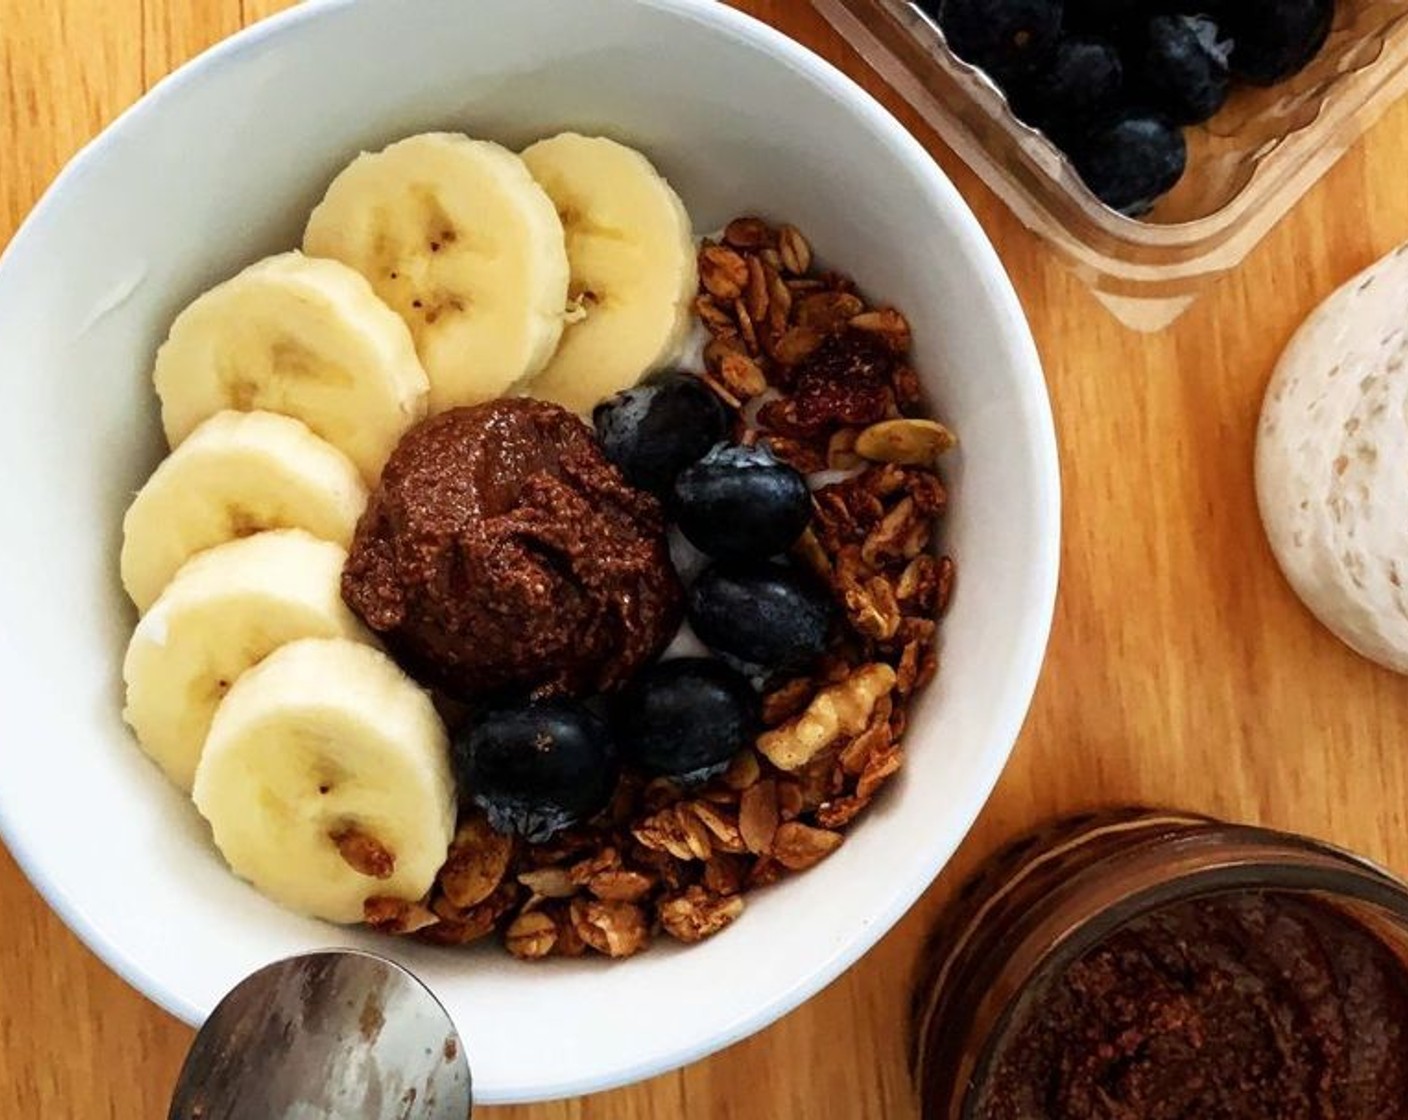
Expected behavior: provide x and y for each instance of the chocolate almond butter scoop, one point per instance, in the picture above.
(502, 551)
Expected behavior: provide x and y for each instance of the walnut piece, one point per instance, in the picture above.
(838, 710)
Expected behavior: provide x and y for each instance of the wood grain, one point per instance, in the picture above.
(1181, 671)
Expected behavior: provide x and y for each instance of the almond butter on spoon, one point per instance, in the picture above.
(1332, 462)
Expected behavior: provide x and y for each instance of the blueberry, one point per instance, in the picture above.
(1131, 160)
(1185, 70)
(1004, 37)
(1103, 17)
(766, 615)
(1081, 80)
(1273, 39)
(654, 431)
(741, 503)
(686, 718)
(538, 768)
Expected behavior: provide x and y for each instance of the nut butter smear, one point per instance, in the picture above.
(501, 551)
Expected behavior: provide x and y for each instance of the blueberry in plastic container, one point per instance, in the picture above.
(538, 767)
(1104, 17)
(1131, 160)
(1081, 80)
(1274, 39)
(654, 430)
(1003, 37)
(765, 615)
(1185, 72)
(686, 718)
(741, 503)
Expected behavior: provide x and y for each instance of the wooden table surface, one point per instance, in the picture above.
(1181, 671)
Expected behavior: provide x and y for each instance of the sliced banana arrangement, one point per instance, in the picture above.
(304, 337)
(460, 240)
(631, 251)
(235, 475)
(225, 611)
(438, 272)
(326, 780)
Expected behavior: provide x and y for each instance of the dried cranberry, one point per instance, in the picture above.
(846, 381)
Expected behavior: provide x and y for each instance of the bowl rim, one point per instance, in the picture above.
(1023, 671)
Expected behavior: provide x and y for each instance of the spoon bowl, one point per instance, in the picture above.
(337, 1035)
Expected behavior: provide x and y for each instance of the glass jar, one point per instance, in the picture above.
(1050, 898)
(1246, 167)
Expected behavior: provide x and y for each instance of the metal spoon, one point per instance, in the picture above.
(340, 1035)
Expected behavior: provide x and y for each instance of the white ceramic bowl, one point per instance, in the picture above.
(219, 165)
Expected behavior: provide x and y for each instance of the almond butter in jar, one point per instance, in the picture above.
(1139, 965)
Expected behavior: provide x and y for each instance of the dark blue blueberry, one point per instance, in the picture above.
(1131, 160)
(1184, 72)
(1273, 39)
(741, 503)
(1104, 17)
(686, 718)
(766, 615)
(537, 768)
(654, 431)
(1081, 80)
(1004, 37)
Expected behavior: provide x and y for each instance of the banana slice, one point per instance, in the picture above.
(632, 254)
(301, 336)
(456, 236)
(235, 475)
(226, 610)
(326, 780)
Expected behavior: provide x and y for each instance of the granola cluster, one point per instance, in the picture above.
(821, 376)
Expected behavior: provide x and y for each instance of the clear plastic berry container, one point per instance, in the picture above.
(1246, 167)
